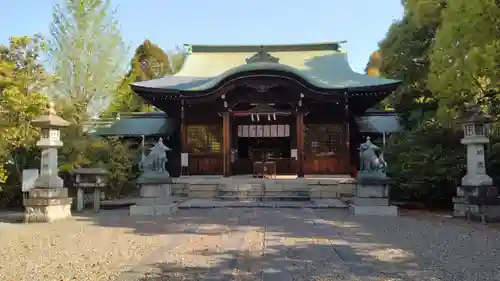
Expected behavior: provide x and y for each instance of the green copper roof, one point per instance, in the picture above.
(379, 124)
(135, 127)
(322, 65)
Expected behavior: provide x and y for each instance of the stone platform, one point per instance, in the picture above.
(244, 191)
(248, 188)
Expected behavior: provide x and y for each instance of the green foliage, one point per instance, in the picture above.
(466, 54)
(119, 158)
(426, 163)
(125, 100)
(22, 79)
(87, 54)
(445, 53)
(404, 53)
(149, 62)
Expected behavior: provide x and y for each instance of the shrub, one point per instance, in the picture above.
(426, 163)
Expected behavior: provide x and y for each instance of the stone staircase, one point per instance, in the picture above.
(256, 189)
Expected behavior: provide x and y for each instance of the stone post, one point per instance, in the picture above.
(48, 200)
(92, 179)
(476, 196)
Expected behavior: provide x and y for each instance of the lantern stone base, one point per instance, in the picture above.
(47, 205)
(155, 200)
(477, 202)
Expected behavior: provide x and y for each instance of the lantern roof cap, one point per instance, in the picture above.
(50, 119)
(474, 114)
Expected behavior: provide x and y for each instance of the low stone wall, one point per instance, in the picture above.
(266, 189)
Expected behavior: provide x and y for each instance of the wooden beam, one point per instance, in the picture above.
(300, 143)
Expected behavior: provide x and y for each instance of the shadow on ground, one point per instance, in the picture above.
(319, 245)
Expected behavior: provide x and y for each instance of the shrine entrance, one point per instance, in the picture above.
(263, 133)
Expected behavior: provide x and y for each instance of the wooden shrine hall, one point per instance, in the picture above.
(290, 106)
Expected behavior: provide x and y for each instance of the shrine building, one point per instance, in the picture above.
(297, 106)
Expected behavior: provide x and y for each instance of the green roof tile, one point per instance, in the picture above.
(322, 65)
(136, 127)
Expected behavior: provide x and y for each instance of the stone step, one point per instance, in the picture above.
(371, 201)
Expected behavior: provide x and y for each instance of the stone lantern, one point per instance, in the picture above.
(474, 124)
(48, 200)
(476, 196)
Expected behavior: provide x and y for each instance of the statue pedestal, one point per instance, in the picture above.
(372, 196)
(156, 195)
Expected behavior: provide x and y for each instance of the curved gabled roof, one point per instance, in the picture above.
(321, 65)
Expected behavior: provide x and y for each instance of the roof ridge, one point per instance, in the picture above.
(321, 46)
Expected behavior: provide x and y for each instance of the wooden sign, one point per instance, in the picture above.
(252, 131)
(244, 131)
(274, 131)
(260, 131)
(184, 160)
(267, 131)
(264, 131)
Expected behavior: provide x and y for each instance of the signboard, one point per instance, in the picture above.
(184, 160)
(29, 179)
(264, 131)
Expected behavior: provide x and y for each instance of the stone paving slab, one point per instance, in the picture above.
(302, 244)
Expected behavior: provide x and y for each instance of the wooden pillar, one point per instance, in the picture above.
(173, 140)
(184, 140)
(226, 144)
(300, 143)
(347, 137)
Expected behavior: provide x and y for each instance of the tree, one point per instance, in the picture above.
(465, 58)
(149, 62)
(405, 51)
(374, 64)
(22, 82)
(87, 54)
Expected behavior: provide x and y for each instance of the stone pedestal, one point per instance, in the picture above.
(156, 200)
(372, 196)
(477, 202)
(47, 205)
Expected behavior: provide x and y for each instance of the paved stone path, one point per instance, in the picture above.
(306, 244)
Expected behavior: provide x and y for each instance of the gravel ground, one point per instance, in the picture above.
(76, 249)
(409, 248)
(248, 245)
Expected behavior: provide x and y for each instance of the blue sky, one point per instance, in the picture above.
(167, 23)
